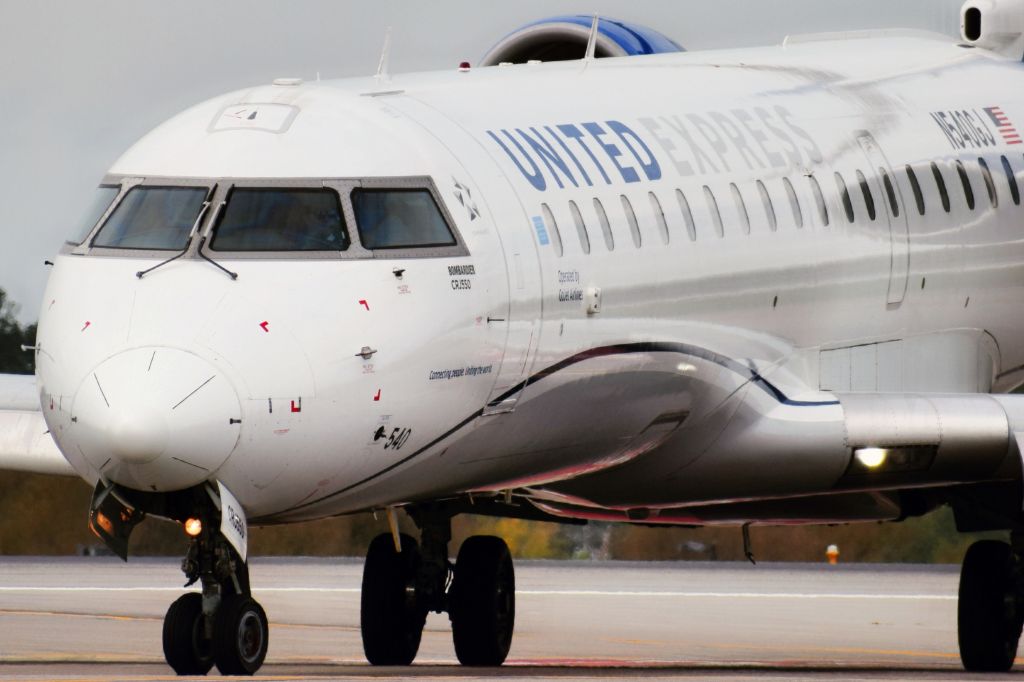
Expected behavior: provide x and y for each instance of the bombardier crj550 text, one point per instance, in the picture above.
(763, 286)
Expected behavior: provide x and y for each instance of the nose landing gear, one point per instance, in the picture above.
(400, 588)
(224, 625)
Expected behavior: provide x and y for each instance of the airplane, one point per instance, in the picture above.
(595, 277)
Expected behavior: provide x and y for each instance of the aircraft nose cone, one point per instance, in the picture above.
(138, 434)
(155, 419)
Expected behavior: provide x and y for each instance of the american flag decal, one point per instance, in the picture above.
(1006, 128)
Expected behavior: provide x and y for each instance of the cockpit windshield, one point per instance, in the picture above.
(101, 200)
(281, 220)
(153, 218)
(399, 218)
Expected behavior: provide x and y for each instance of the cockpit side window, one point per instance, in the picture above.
(399, 219)
(281, 219)
(101, 200)
(153, 218)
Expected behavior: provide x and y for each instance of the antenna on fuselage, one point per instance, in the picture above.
(382, 67)
(592, 40)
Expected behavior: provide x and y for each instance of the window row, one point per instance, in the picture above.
(271, 219)
(878, 193)
(711, 203)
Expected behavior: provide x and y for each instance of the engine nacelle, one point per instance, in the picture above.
(996, 25)
(566, 37)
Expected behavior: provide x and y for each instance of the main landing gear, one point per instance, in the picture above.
(990, 611)
(223, 626)
(401, 587)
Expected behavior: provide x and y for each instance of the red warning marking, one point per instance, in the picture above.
(364, 304)
(297, 408)
(265, 326)
(376, 398)
(87, 325)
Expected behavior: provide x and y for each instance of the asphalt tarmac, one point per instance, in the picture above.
(99, 619)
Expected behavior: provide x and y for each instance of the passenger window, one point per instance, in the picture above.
(281, 220)
(819, 199)
(794, 203)
(869, 198)
(153, 218)
(741, 207)
(769, 210)
(399, 219)
(716, 215)
(844, 194)
(890, 192)
(581, 227)
(684, 208)
(990, 184)
(556, 236)
(916, 187)
(941, 184)
(659, 216)
(1011, 180)
(101, 200)
(606, 228)
(634, 226)
(966, 182)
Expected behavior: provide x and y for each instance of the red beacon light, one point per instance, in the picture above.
(464, 67)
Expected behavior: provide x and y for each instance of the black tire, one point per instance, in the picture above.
(241, 635)
(186, 649)
(390, 617)
(988, 619)
(483, 601)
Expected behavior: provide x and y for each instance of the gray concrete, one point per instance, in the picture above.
(99, 619)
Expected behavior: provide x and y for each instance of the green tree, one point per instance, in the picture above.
(13, 360)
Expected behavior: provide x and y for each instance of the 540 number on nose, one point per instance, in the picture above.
(395, 439)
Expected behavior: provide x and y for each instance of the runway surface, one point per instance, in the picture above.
(99, 619)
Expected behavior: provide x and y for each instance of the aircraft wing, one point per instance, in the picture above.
(25, 442)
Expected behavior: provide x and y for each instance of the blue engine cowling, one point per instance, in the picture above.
(566, 37)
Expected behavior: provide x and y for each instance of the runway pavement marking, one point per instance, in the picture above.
(534, 593)
(70, 614)
(907, 653)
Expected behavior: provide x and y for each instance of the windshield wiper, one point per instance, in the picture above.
(191, 235)
(232, 275)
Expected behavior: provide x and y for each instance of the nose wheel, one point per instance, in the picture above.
(223, 626)
(187, 647)
(241, 635)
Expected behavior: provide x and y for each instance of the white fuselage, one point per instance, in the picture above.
(525, 361)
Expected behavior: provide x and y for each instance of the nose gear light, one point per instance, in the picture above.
(193, 527)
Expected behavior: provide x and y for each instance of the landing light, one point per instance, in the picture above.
(193, 527)
(872, 458)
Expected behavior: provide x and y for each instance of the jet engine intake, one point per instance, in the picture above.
(565, 38)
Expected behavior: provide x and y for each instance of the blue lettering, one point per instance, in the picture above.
(575, 133)
(536, 178)
(649, 165)
(627, 172)
(547, 154)
(579, 166)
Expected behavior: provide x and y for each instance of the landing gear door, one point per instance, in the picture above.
(892, 209)
(522, 321)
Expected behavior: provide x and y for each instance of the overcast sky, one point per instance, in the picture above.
(81, 81)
